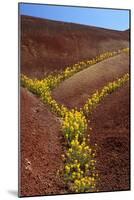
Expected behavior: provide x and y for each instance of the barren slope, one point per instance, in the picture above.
(75, 90)
(111, 128)
(50, 45)
(41, 148)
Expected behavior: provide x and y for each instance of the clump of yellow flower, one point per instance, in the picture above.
(80, 166)
(85, 184)
(79, 172)
(98, 96)
(74, 124)
(71, 70)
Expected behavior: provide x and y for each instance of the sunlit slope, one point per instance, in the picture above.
(75, 90)
(110, 123)
(48, 45)
(41, 148)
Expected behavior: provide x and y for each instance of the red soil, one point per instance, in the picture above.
(48, 46)
(110, 121)
(74, 91)
(41, 148)
(111, 129)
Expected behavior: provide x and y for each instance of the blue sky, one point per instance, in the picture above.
(105, 18)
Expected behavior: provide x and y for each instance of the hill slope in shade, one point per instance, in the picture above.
(76, 90)
(110, 123)
(50, 45)
(41, 148)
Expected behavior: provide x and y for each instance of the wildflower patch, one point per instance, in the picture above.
(79, 173)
